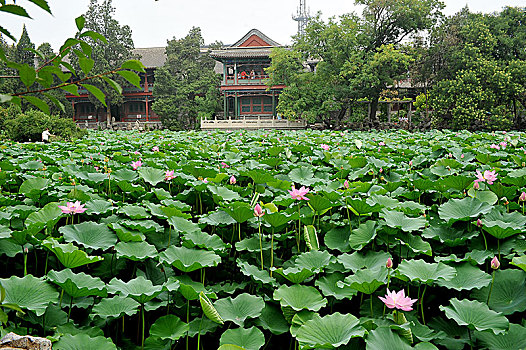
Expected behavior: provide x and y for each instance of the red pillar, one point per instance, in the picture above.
(147, 111)
(74, 111)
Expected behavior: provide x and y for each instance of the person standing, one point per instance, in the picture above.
(45, 135)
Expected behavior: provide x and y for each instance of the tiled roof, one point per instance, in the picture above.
(257, 33)
(241, 52)
(151, 57)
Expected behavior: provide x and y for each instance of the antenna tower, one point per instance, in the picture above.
(302, 17)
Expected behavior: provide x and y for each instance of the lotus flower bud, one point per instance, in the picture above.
(522, 197)
(495, 263)
(346, 185)
(233, 180)
(389, 263)
(479, 223)
(476, 185)
(258, 211)
(410, 163)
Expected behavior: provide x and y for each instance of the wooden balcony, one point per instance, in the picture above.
(253, 123)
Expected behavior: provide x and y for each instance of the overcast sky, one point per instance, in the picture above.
(153, 22)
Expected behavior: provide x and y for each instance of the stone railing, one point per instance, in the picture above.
(256, 122)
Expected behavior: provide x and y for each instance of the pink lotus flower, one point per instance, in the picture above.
(155, 149)
(346, 184)
(73, 208)
(258, 211)
(479, 223)
(169, 175)
(299, 194)
(488, 176)
(136, 153)
(205, 181)
(494, 146)
(325, 147)
(503, 145)
(233, 180)
(495, 263)
(136, 165)
(410, 163)
(522, 197)
(398, 300)
(381, 143)
(224, 165)
(476, 185)
(389, 263)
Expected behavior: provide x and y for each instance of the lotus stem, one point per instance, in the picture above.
(260, 243)
(470, 340)
(25, 260)
(239, 230)
(142, 334)
(298, 233)
(187, 321)
(371, 304)
(491, 286)
(498, 247)
(485, 242)
(272, 251)
(70, 306)
(422, 304)
(199, 332)
(388, 280)
(45, 267)
(60, 302)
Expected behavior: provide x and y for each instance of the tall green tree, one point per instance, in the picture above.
(186, 86)
(107, 56)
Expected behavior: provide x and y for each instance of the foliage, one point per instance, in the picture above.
(186, 87)
(184, 255)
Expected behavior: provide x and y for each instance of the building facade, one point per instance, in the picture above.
(243, 87)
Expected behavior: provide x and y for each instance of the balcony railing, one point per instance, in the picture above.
(256, 122)
(247, 80)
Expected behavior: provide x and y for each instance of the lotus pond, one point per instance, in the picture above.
(266, 240)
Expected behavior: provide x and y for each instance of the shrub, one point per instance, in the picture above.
(28, 126)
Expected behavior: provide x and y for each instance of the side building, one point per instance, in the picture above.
(137, 105)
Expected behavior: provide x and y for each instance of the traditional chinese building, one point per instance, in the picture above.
(243, 87)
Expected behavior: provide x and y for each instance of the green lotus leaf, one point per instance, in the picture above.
(338, 239)
(182, 225)
(415, 243)
(299, 319)
(452, 237)
(144, 226)
(90, 235)
(366, 281)
(475, 315)
(69, 255)
(363, 235)
(500, 230)
(519, 261)
(319, 204)
(239, 211)
(188, 260)
(134, 212)
(47, 216)
(509, 292)
(169, 327)
(223, 194)
(230, 347)
(70, 328)
(217, 218)
(201, 326)
(462, 209)
(209, 310)
(140, 289)
(303, 175)
(251, 244)
(276, 219)
(397, 219)
(128, 187)
(204, 240)
(240, 308)
(513, 339)
(84, 342)
(419, 270)
(311, 237)
(255, 273)
(272, 319)
(360, 207)
(115, 307)
(383, 338)
(151, 175)
(249, 339)
(468, 277)
(125, 234)
(299, 297)
(314, 261)
(29, 293)
(329, 332)
(357, 261)
(136, 251)
(78, 285)
(484, 196)
(98, 207)
(188, 288)
(329, 286)
(294, 274)
(33, 187)
(125, 175)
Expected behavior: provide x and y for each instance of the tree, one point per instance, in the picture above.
(386, 24)
(108, 56)
(186, 86)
